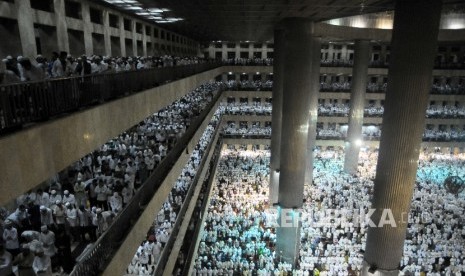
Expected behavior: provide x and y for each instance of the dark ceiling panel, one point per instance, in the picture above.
(254, 20)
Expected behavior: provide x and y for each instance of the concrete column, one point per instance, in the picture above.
(26, 29)
(62, 26)
(88, 43)
(357, 106)
(106, 32)
(134, 38)
(276, 114)
(144, 41)
(122, 36)
(314, 92)
(414, 46)
(224, 51)
(296, 104)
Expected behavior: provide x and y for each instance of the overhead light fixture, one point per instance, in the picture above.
(155, 10)
(134, 8)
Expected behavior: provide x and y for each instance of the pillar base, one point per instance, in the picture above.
(377, 272)
(288, 230)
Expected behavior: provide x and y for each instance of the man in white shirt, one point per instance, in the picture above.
(116, 202)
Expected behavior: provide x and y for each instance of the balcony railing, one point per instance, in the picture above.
(29, 102)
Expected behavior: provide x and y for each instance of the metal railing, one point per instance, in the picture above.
(208, 182)
(99, 255)
(180, 217)
(24, 103)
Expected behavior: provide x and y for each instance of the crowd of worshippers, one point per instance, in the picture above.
(80, 206)
(59, 65)
(346, 87)
(455, 89)
(253, 108)
(238, 240)
(248, 61)
(246, 85)
(246, 129)
(433, 111)
(148, 254)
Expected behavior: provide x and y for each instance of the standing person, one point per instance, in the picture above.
(102, 192)
(47, 238)
(59, 213)
(42, 264)
(63, 244)
(24, 261)
(85, 221)
(59, 65)
(46, 216)
(73, 220)
(10, 236)
(34, 215)
(80, 193)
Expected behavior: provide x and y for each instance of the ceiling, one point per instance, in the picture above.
(254, 20)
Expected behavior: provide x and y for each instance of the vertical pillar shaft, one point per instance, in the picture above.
(414, 42)
(106, 32)
(357, 106)
(276, 114)
(313, 110)
(88, 43)
(26, 29)
(62, 26)
(122, 36)
(134, 38)
(296, 104)
(144, 41)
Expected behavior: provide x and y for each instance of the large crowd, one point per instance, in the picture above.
(146, 259)
(78, 206)
(247, 85)
(248, 61)
(62, 64)
(237, 239)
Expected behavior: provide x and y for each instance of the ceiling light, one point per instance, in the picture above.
(165, 9)
(155, 10)
(132, 8)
